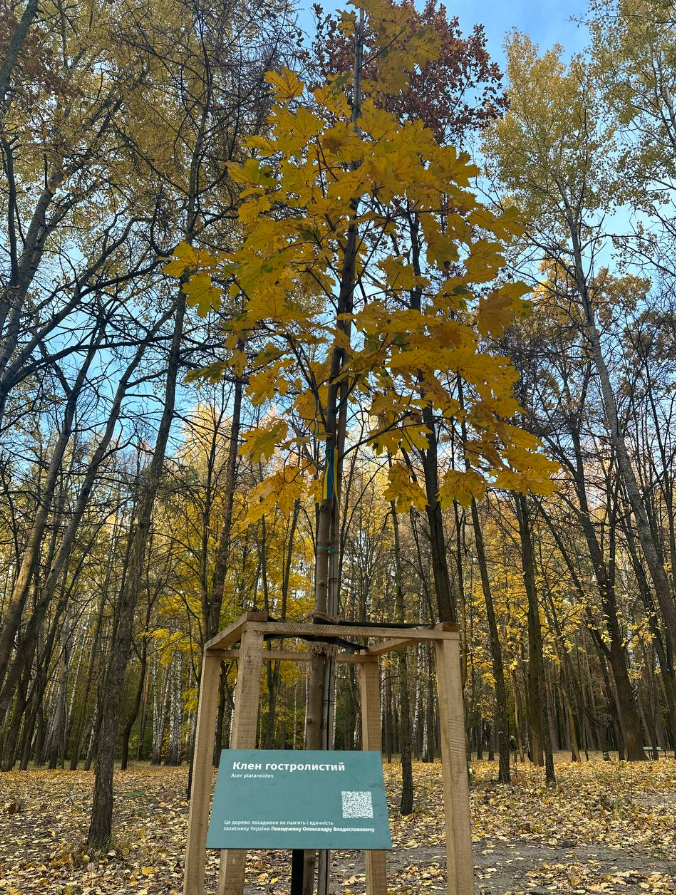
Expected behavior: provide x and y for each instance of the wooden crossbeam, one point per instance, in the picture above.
(233, 633)
(390, 645)
(445, 631)
(274, 655)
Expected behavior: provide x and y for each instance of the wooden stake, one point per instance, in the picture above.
(459, 861)
(233, 861)
(200, 796)
(371, 737)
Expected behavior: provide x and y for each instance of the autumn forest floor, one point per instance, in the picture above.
(607, 828)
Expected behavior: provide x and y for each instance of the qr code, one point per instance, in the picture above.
(357, 804)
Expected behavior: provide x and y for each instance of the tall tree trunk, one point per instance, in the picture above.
(129, 725)
(100, 829)
(537, 693)
(615, 650)
(173, 756)
(12, 53)
(60, 719)
(405, 727)
(211, 610)
(661, 649)
(502, 716)
(535, 657)
(665, 597)
(429, 457)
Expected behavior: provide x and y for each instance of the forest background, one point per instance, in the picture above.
(145, 503)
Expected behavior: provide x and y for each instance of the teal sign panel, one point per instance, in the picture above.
(273, 798)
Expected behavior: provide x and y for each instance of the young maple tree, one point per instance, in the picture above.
(325, 272)
(343, 308)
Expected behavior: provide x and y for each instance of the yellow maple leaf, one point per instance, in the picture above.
(286, 84)
(187, 257)
(402, 490)
(202, 293)
(500, 307)
(260, 443)
(461, 486)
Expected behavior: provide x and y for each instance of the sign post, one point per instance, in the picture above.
(311, 807)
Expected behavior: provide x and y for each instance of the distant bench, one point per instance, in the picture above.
(649, 750)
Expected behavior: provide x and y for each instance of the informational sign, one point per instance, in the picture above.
(272, 798)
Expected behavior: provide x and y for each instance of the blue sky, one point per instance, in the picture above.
(547, 22)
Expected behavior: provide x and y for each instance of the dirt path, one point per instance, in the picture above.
(521, 867)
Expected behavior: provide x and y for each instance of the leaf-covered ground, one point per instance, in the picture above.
(608, 828)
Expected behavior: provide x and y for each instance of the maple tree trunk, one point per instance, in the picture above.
(322, 679)
(446, 608)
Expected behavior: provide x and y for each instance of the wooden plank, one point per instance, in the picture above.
(295, 629)
(389, 645)
(397, 643)
(275, 655)
(245, 720)
(233, 632)
(371, 737)
(200, 797)
(459, 861)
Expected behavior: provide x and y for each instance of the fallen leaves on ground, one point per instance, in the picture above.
(606, 828)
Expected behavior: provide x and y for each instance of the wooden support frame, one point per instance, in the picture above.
(250, 631)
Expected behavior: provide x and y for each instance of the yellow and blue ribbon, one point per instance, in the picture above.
(330, 474)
